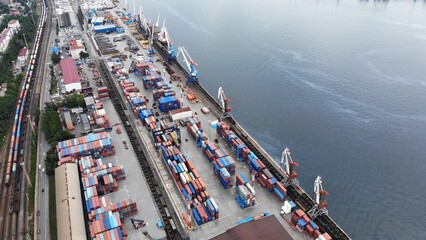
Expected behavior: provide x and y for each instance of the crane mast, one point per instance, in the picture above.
(193, 73)
(289, 165)
(320, 203)
(151, 41)
(170, 49)
(224, 103)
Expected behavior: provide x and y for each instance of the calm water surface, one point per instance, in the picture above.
(341, 83)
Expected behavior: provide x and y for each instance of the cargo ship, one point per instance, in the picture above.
(303, 201)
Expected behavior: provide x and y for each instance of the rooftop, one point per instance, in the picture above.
(22, 52)
(69, 71)
(4, 33)
(69, 208)
(264, 228)
(13, 21)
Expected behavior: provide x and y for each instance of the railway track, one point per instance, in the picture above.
(14, 185)
(120, 107)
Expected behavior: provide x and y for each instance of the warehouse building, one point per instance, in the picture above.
(70, 75)
(64, 19)
(264, 228)
(69, 208)
(109, 28)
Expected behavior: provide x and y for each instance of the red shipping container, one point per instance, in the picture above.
(309, 230)
(281, 187)
(203, 186)
(261, 182)
(316, 234)
(261, 164)
(239, 180)
(269, 184)
(188, 189)
(189, 165)
(207, 194)
(197, 185)
(245, 154)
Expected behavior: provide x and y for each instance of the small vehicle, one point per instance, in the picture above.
(118, 130)
(42, 190)
(43, 170)
(125, 144)
(39, 167)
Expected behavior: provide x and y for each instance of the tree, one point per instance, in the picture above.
(84, 55)
(51, 161)
(64, 135)
(56, 58)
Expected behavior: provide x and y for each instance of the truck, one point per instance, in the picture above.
(125, 144)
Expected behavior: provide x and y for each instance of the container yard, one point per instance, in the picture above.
(199, 173)
(108, 199)
(207, 177)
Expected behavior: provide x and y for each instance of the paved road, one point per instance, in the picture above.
(42, 202)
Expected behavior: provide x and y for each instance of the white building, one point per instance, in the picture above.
(5, 37)
(76, 46)
(14, 25)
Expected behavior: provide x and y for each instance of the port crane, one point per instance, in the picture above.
(170, 50)
(320, 203)
(151, 41)
(224, 102)
(193, 73)
(289, 165)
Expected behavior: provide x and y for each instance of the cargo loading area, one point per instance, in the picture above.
(208, 179)
(230, 211)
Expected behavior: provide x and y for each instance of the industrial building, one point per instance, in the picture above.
(105, 28)
(69, 208)
(64, 19)
(264, 228)
(67, 120)
(76, 46)
(70, 75)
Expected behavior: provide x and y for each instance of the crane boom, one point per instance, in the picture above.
(320, 203)
(226, 109)
(170, 49)
(289, 164)
(193, 73)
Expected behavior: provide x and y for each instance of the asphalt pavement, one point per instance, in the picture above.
(42, 197)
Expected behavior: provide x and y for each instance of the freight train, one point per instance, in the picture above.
(24, 98)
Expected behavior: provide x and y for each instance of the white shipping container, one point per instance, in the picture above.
(214, 204)
(182, 178)
(286, 208)
(251, 189)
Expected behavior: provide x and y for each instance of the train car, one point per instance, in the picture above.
(16, 201)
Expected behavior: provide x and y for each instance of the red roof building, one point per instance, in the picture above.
(22, 54)
(14, 12)
(70, 75)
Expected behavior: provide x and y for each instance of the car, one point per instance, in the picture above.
(39, 167)
(125, 144)
(43, 170)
